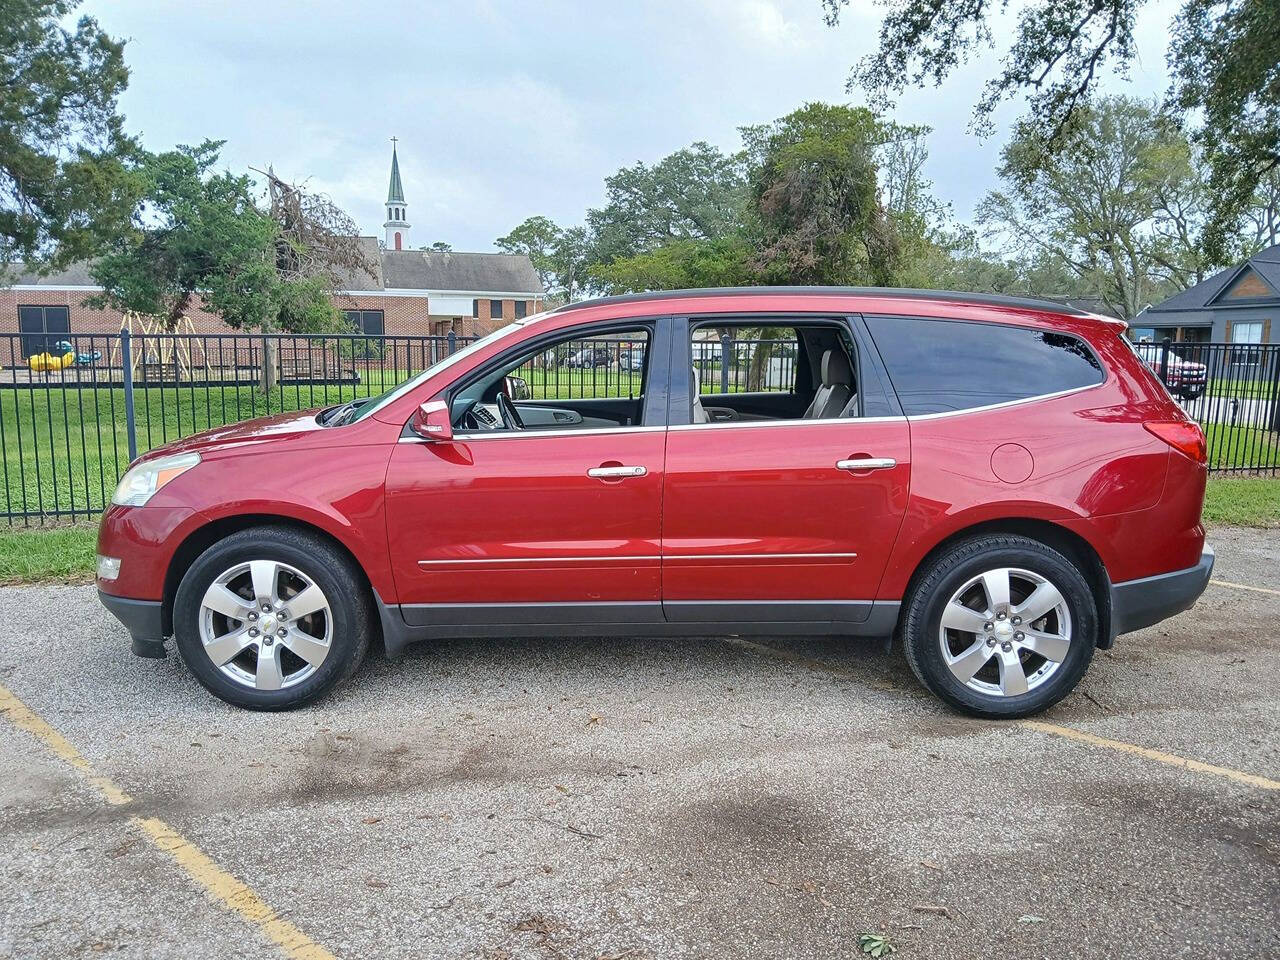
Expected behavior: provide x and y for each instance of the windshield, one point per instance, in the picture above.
(377, 403)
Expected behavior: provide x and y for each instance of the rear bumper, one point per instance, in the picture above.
(1140, 603)
(144, 619)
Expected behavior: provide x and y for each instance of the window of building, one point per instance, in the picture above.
(366, 321)
(942, 365)
(1248, 332)
(522, 307)
(42, 328)
(475, 309)
(495, 309)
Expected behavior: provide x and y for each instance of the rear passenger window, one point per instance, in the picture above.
(941, 365)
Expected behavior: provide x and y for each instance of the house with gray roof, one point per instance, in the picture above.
(1239, 305)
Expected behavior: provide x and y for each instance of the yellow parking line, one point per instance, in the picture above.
(1248, 779)
(1244, 586)
(223, 887)
(1053, 729)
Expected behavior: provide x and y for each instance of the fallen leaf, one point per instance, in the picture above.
(932, 909)
(375, 883)
(371, 820)
(931, 865)
(595, 718)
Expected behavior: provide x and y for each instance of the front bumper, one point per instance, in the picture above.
(1140, 603)
(144, 619)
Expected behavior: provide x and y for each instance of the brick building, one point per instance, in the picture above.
(414, 292)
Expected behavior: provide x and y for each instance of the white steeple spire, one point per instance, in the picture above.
(397, 225)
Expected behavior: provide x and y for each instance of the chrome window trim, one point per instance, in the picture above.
(1006, 403)
(528, 434)
(784, 423)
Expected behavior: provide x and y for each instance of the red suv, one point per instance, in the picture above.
(1001, 482)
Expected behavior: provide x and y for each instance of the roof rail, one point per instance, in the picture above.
(902, 293)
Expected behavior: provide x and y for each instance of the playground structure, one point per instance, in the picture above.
(155, 345)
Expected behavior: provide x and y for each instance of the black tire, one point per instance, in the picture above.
(327, 567)
(948, 573)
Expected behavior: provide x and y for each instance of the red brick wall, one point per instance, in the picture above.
(402, 316)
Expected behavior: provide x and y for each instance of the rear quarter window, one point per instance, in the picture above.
(938, 366)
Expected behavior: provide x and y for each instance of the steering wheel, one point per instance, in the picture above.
(509, 415)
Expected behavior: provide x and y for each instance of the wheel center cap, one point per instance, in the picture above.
(268, 624)
(1004, 630)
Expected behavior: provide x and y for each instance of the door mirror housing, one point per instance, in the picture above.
(516, 388)
(431, 421)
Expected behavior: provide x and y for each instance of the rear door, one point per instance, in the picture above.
(782, 519)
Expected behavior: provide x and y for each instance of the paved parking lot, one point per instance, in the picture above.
(570, 798)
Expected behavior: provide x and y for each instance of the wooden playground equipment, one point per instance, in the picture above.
(168, 353)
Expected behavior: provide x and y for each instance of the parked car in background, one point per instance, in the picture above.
(1184, 378)
(1001, 483)
(588, 357)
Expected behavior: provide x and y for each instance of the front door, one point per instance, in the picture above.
(785, 517)
(549, 520)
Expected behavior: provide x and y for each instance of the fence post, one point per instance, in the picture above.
(453, 341)
(726, 342)
(1273, 351)
(1164, 361)
(131, 426)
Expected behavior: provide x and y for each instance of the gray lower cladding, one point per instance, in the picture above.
(409, 623)
(1140, 603)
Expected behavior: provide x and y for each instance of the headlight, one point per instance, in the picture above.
(141, 482)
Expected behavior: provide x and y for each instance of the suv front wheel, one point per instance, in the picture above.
(1000, 626)
(271, 618)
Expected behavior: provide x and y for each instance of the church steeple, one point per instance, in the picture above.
(397, 225)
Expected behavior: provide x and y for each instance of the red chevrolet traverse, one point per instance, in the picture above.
(1003, 484)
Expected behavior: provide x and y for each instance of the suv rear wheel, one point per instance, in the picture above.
(271, 618)
(1001, 626)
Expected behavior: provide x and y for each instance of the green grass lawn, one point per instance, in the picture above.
(65, 554)
(1241, 446)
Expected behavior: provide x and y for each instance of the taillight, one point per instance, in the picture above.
(1184, 436)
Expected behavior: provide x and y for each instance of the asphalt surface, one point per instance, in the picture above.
(579, 798)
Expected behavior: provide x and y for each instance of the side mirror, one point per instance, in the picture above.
(431, 421)
(516, 388)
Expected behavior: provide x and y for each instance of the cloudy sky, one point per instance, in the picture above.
(506, 109)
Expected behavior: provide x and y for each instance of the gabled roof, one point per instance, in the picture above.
(1266, 263)
(479, 273)
(395, 191)
(447, 270)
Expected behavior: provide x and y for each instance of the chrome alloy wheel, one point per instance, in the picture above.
(265, 625)
(1005, 632)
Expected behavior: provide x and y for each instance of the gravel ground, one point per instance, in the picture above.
(581, 798)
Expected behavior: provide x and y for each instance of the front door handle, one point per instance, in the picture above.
(867, 463)
(616, 473)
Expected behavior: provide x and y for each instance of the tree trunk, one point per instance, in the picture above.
(758, 371)
(270, 364)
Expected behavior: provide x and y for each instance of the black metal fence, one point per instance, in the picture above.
(1233, 391)
(76, 409)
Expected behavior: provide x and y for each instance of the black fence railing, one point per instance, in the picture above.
(1233, 391)
(76, 409)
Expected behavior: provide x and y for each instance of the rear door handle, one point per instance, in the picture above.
(616, 473)
(867, 463)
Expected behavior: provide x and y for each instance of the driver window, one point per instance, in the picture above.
(576, 383)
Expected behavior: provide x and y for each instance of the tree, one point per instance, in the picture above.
(440, 247)
(1118, 204)
(814, 185)
(65, 187)
(1224, 56)
(195, 233)
(698, 193)
(559, 255)
(680, 264)
(201, 234)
